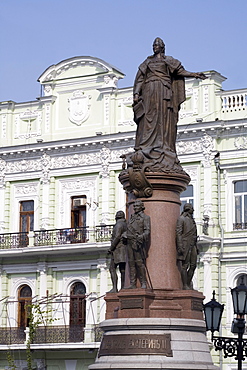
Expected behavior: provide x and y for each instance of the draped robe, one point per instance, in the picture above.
(161, 87)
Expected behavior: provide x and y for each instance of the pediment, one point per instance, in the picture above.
(78, 66)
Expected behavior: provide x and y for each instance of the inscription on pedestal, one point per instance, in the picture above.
(131, 303)
(136, 344)
(196, 304)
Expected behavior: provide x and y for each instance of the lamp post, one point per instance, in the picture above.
(232, 347)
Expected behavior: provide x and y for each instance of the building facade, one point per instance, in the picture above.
(59, 191)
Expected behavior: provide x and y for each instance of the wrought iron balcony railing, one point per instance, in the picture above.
(48, 334)
(58, 334)
(14, 240)
(101, 233)
(61, 236)
(240, 226)
(12, 336)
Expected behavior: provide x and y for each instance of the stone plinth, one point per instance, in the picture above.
(138, 303)
(154, 343)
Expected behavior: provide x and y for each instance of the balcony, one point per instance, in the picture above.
(240, 226)
(48, 334)
(97, 234)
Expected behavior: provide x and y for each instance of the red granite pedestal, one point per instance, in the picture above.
(161, 327)
(166, 299)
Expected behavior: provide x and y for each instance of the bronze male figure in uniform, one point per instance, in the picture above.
(118, 251)
(138, 234)
(186, 240)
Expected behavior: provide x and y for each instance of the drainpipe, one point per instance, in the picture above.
(217, 165)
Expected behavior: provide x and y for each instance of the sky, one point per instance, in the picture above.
(203, 34)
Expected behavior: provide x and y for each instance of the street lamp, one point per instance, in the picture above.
(213, 312)
(232, 347)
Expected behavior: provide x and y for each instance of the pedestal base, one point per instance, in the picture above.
(160, 303)
(153, 343)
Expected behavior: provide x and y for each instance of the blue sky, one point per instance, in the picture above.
(202, 34)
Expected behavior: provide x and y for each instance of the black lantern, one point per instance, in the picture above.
(213, 312)
(239, 299)
(231, 347)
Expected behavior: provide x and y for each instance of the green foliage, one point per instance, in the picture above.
(11, 361)
(36, 316)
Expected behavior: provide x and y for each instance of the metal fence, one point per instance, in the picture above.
(240, 226)
(12, 336)
(58, 334)
(48, 334)
(97, 234)
(14, 240)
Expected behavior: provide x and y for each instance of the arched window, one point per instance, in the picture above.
(77, 304)
(24, 300)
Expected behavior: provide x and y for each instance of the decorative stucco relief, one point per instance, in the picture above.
(184, 147)
(78, 184)
(29, 115)
(4, 126)
(2, 173)
(110, 81)
(207, 146)
(105, 155)
(79, 107)
(240, 142)
(24, 166)
(192, 172)
(46, 163)
(26, 189)
(204, 145)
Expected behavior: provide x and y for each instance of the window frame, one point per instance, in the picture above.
(29, 214)
(242, 195)
(230, 179)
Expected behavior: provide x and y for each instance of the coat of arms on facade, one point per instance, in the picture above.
(79, 107)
